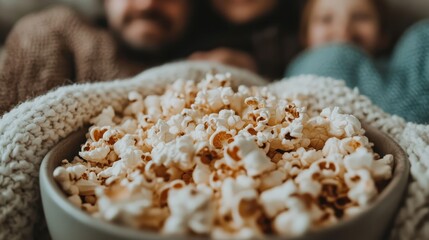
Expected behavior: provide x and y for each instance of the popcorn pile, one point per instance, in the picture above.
(204, 159)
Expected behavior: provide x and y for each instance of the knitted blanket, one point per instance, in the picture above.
(30, 130)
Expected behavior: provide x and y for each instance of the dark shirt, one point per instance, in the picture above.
(271, 39)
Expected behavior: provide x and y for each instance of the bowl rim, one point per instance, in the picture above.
(400, 174)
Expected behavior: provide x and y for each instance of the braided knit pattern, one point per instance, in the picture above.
(30, 130)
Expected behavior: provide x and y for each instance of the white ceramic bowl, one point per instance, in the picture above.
(65, 221)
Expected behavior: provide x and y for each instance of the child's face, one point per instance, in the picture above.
(344, 21)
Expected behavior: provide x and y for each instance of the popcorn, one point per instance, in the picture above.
(274, 199)
(180, 125)
(152, 218)
(191, 210)
(362, 187)
(111, 136)
(292, 223)
(272, 179)
(129, 126)
(211, 160)
(210, 99)
(152, 104)
(159, 133)
(293, 166)
(95, 152)
(233, 188)
(185, 90)
(212, 81)
(86, 187)
(220, 138)
(351, 144)
(328, 168)
(130, 157)
(309, 182)
(136, 106)
(317, 136)
(232, 121)
(381, 169)
(96, 133)
(126, 144)
(201, 174)
(75, 199)
(333, 146)
(163, 192)
(122, 204)
(62, 176)
(309, 157)
(172, 104)
(256, 163)
(361, 159)
(178, 153)
(245, 153)
(341, 125)
(332, 189)
(105, 118)
(154, 172)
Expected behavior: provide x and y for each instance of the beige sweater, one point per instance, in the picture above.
(57, 47)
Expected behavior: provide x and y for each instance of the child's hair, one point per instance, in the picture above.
(380, 7)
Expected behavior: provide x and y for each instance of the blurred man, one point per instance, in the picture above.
(57, 46)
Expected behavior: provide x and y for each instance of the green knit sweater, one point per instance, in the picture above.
(399, 86)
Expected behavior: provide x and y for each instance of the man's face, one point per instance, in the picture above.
(148, 25)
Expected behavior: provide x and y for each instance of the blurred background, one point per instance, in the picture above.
(100, 40)
(404, 12)
(12, 10)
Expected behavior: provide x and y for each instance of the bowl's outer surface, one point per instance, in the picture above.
(65, 221)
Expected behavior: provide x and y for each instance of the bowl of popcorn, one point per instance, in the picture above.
(205, 160)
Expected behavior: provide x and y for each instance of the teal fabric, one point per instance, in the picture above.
(399, 85)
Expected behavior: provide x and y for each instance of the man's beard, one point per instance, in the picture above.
(147, 51)
(145, 44)
(150, 15)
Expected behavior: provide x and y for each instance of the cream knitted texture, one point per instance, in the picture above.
(30, 130)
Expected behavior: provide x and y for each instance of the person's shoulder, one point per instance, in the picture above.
(56, 12)
(48, 20)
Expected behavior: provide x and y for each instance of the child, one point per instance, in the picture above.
(399, 85)
(360, 22)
